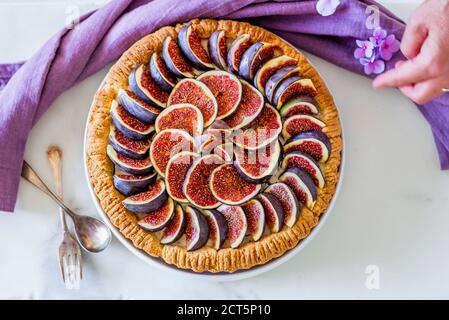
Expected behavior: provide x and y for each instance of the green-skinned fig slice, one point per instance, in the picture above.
(301, 104)
(128, 184)
(175, 174)
(228, 187)
(301, 184)
(128, 165)
(305, 162)
(225, 151)
(160, 218)
(236, 51)
(256, 55)
(274, 213)
(144, 86)
(135, 149)
(257, 166)
(255, 215)
(260, 132)
(128, 124)
(137, 107)
(237, 224)
(279, 76)
(175, 228)
(196, 183)
(249, 108)
(175, 61)
(301, 123)
(160, 73)
(218, 48)
(226, 89)
(197, 93)
(218, 228)
(314, 143)
(183, 116)
(166, 144)
(292, 87)
(197, 229)
(288, 200)
(269, 68)
(190, 44)
(149, 200)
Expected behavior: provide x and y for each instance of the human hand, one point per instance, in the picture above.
(426, 46)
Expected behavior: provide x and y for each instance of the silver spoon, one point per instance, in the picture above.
(93, 235)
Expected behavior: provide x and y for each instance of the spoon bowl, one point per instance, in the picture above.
(93, 235)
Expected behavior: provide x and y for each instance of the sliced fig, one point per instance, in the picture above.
(301, 104)
(209, 143)
(260, 132)
(197, 93)
(130, 184)
(197, 229)
(270, 68)
(226, 89)
(160, 218)
(292, 87)
(143, 85)
(301, 184)
(166, 144)
(236, 50)
(135, 149)
(257, 166)
(307, 163)
(196, 183)
(255, 216)
(175, 174)
(301, 123)
(249, 108)
(279, 76)
(128, 165)
(314, 143)
(274, 213)
(175, 61)
(175, 228)
(183, 116)
(147, 201)
(288, 200)
(225, 151)
(237, 224)
(129, 125)
(218, 228)
(160, 73)
(190, 44)
(256, 55)
(137, 107)
(218, 48)
(228, 187)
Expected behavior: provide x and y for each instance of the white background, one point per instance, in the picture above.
(392, 211)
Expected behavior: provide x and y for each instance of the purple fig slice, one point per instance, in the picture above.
(175, 174)
(128, 165)
(279, 76)
(190, 44)
(160, 218)
(197, 229)
(175, 228)
(218, 227)
(226, 89)
(292, 87)
(270, 68)
(255, 216)
(274, 213)
(160, 73)
(183, 116)
(135, 149)
(137, 107)
(307, 163)
(175, 61)
(129, 184)
(256, 55)
(196, 183)
(301, 123)
(197, 93)
(218, 48)
(147, 201)
(228, 187)
(143, 85)
(314, 143)
(301, 104)
(225, 151)
(236, 50)
(237, 224)
(128, 124)
(301, 184)
(288, 200)
(166, 144)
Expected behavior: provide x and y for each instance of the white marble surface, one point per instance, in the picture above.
(392, 211)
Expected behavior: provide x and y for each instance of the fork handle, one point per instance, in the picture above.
(54, 156)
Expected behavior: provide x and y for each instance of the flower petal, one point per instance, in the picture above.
(327, 7)
(378, 66)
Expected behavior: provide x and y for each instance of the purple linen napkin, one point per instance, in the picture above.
(103, 35)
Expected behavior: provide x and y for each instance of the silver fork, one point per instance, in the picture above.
(70, 259)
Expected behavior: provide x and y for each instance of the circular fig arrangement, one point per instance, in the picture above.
(217, 142)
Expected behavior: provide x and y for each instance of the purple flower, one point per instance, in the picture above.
(375, 66)
(365, 49)
(379, 34)
(388, 46)
(327, 7)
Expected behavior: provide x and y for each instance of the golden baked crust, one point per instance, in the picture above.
(207, 259)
